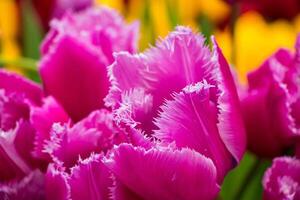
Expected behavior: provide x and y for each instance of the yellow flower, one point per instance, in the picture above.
(8, 30)
(116, 4)
(255, 40)
(158, 17)
(215, 10)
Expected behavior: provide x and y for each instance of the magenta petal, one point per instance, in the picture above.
(24, 144)
(56, 184)
(135, 109)
(121, 192)
(61, 6)
(171, 174)
(191, 121)
(282, 180)
(267, 106)
(297, 152)
(100, 28)
(95, 133)
(13, 83)
(12, 164)
(30, 187)
(126, 73)
(179, 60)
(90, 179)
(230, 121)
(42, 119)
(75, 76)
(13, 107)
(76, 52)
(137, 138)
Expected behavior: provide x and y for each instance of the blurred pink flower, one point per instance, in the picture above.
(50, 9)
(271, 104)
(17, 97)
(19, 169)
(282, 180)
(76, 52)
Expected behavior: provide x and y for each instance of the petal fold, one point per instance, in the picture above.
(30, 187)
(175, 174)
(75, 76)
(190, 120)
(90, 179)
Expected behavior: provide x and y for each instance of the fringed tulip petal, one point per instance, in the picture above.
(13, 83)
(12, 164)
(56, 184)
(42, 119)
(17, 97)
(13, 107)
(76, 53)
(90, 179)
(135, 109)
(96, 133)
(191, 121)
(205, 116)
(270, 105)
(24, 143)
(171, 174)
(30, 187)
(230, 121)
(75, 76)
(177, 61)
(100, 27)
(282, 179)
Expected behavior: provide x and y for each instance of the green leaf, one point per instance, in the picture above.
(28, 66)
(32, 32)
(173, 12)
(24, 63)
(206, 26)
(244, 182)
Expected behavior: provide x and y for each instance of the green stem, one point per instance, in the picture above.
(249, 176)
(23, 63)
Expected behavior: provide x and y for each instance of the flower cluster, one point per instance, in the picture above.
(270, 108)
(112, 123)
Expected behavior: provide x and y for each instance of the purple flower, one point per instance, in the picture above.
(17, 96)
(271, 104)
(77, 150)
(96, 133)
(182, 96)
(42, 118)
(61, 6)
(170, 173)
(30, 187)
(76, 52)
(49, 9)
(282, 180)
(25, 116)
(89, 179)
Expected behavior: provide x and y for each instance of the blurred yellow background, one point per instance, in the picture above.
(253, 40)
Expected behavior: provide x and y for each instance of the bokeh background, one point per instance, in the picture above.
(248, 31)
